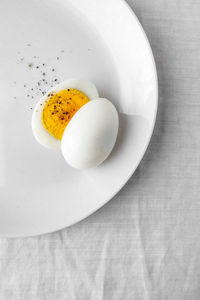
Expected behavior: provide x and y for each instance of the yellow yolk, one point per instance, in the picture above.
(60, 108)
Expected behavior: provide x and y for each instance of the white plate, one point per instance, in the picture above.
(98, 40)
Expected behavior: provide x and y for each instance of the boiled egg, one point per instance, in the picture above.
(73, 119)
(91, 134)
(54, 111)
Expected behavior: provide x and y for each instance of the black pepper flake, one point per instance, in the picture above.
(55, 79)
(53, 70)
(30, 65)
(60, 102)
(43, 64)
(37, 67)
(43, 74)
(62, 118)
(52, 113)
(73, 109)
(38, 83)
(32, 89)
(41, 104)
(24, 85)
(57, 58)
(68, 90)
(29, 45)
(67, 102)
(28, 95)
(31, 108)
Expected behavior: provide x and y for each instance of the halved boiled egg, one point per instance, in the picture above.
(85, 131)
(91, 134)
(54, 111)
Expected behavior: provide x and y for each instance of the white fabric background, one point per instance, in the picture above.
(144, 244)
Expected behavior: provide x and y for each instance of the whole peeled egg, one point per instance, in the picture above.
(91, 134)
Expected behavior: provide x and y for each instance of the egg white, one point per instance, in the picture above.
(40, 133)
(91, 134)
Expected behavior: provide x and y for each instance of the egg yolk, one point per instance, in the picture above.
(60, 108)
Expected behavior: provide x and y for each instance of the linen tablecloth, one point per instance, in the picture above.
(145, 243)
